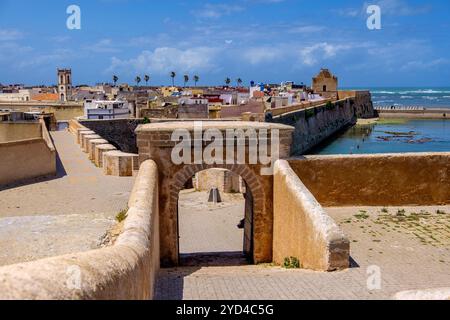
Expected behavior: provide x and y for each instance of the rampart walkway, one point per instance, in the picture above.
(68, 213)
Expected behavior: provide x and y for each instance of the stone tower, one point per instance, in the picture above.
(325, 84)
(64, 84)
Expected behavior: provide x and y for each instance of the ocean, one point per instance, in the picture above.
(390, 136)
(428, 97)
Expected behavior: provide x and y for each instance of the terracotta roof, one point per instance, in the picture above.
(46, 97)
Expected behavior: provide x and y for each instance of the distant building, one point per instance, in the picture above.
(64, 84)
(101, 109)
(325, 84)
(20, 95)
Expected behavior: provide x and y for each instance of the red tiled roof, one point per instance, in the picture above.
(46, 97)
(215, 100)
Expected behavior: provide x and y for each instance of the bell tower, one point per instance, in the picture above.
(64, 84)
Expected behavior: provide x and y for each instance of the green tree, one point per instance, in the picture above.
(186, 80)
(115, 79)
(173, 75)
(146, 79)
(227, 81)
(137, 80)
(196, 79)
(239, 82)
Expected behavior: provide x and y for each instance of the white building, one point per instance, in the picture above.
(21, 96)
(192, 101)
(101, 109)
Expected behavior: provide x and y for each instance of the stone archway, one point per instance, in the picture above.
(154, 142)
(254, 197)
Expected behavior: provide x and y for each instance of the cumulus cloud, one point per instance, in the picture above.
(165, 59)
(300, 54)
(311, 55)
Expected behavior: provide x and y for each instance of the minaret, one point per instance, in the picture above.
(64, 84)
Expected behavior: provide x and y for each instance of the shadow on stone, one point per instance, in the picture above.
(213, 259)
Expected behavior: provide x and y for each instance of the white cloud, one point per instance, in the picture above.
(215, 11)
(165, 59)
(388, 7)
(58, 56)
(103, 46)
(398, 7)
(311, 55)
(349, 12)
(419, 64)
(9, 35)
(10, 51)
(306, 29)
(257, 55)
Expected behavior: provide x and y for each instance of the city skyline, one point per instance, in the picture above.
(256, 40)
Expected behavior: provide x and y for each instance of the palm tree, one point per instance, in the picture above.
(239, 82)
(186, 79)
(137, 80)
(115, 79)
(227, 81)
(173, 75)
(196, 79)
(146, 79)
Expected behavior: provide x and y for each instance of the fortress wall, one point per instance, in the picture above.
(119, 133)
(314, 125)
(125, 270)
(27, 158)
(302, 229)
(15, 131)
(377, 180)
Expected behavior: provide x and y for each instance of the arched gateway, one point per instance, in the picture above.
(184, 148)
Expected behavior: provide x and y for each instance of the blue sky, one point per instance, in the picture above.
(260, 40)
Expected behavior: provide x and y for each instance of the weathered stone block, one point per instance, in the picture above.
(91, 147)
(118, 163)
(81, 134)
(99, 151)
(86, 139)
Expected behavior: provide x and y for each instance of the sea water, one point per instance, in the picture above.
(428, 97)
(390, 136)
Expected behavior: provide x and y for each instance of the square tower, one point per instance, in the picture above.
(64, 84)
(325, 84)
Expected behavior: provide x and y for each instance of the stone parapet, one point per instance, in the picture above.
(302, 228)
(119, 164)
(81, 133)
(99, 151)
(86, 139)
(123, 271)
(91, 147)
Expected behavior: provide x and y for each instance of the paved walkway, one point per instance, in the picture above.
(67, 214)
(207, 227)
(411, 252)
